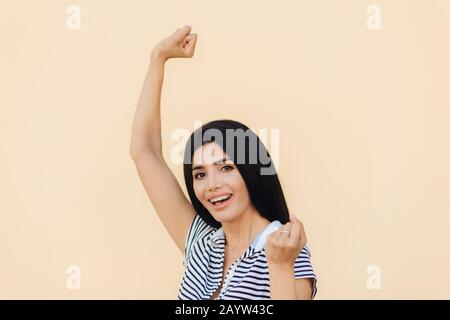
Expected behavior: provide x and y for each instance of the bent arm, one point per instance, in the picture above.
(171, 205)
(282, 282)
(146, 132)
(284, 286)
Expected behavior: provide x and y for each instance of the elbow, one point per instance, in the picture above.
(139, 149)
(136, 155)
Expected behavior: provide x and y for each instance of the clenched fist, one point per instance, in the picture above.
(283, 247)
(180, 44)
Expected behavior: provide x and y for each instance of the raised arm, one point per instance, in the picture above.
(173, 208)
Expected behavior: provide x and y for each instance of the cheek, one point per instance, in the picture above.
(198, 190)
(236, 182)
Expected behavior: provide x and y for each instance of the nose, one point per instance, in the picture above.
(213, 182)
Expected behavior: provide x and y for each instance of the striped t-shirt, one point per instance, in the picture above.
(246, 279)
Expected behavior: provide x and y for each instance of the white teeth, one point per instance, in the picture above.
(220, 198)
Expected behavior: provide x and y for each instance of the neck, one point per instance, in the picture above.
(241, 232)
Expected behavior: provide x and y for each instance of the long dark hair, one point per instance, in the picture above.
(251, 158)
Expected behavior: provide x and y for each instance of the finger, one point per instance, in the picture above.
(303, 235)
(292, 217)
(187, 39)
(296, 232)
(287, 228)
(181, 33)
(191, 41)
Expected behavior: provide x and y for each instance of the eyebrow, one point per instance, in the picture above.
(217, 162)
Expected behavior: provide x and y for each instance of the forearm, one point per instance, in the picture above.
(146, 132)
(282, 282)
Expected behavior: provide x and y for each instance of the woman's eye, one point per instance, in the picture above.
(227, 168)
(199, 175)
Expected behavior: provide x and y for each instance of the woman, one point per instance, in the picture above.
(238, 239)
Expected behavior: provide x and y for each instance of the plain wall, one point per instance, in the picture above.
(363, 117)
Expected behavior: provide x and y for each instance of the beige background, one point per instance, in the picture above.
(364, 128)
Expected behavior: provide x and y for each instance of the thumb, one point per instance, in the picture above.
(292, 217)
(181, 33)
(191, 40)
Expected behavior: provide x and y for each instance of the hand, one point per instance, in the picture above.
(283, 248)
(180, 44)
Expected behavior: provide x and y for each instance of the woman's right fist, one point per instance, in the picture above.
(180, 44)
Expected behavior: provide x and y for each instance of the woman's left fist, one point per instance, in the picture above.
(284, 245)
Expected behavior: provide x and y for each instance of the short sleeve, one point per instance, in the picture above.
(196, 231)
(303, 267)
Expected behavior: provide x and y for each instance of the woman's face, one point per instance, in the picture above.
(218, 184)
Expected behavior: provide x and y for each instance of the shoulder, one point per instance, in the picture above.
(198, 226)
(303, 268)
(303, 262)
(198, 230)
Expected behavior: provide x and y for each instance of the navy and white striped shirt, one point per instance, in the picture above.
(247, 277)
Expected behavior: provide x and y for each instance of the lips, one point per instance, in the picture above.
(222, 204)
(219, 195)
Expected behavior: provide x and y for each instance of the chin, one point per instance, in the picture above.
(225, 216)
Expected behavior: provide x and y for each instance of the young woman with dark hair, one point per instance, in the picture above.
(238, 238)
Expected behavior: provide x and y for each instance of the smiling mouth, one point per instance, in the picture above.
(221, 203)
